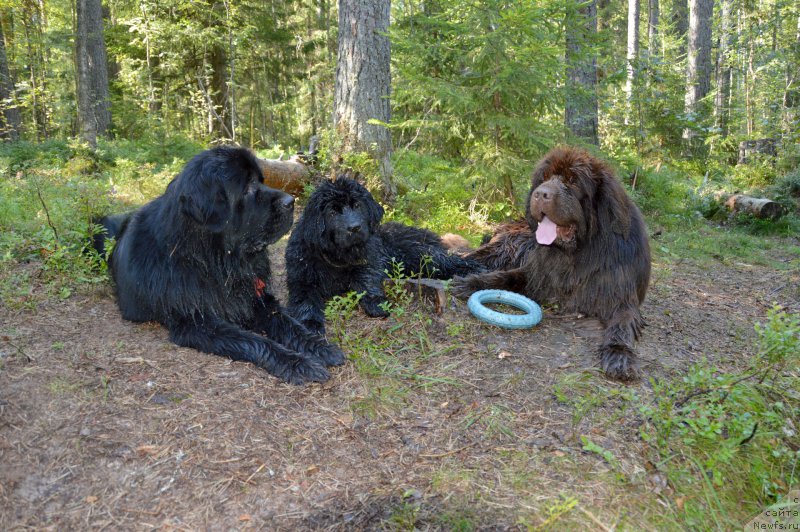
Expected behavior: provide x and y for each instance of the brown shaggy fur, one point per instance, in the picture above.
(507, 247)
(599, 264)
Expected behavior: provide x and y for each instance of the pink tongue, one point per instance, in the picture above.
(546, 232)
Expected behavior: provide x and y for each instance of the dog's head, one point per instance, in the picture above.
(341, 215)
(573, 197)
(220, 192)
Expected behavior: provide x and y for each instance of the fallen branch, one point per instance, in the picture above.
(430, 289)
(46, 211)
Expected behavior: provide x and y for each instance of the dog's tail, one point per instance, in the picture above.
(110, 227)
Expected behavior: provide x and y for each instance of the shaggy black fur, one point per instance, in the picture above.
(339, 245)
(597, 263)
(195, 259)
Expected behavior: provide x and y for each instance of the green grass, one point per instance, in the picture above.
(687, 237)
(725, 440)
(397, 359)
(50, 192)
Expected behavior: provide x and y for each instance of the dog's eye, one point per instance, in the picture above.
(356, 204)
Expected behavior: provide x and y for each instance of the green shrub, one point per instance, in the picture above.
(726, 439)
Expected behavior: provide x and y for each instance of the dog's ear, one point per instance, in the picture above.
(211, 211)
(612, 206)
(374, 211)
(313, 225)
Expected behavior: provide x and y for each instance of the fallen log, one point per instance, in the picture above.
(290, 175)
(758, 207)
(424, 290)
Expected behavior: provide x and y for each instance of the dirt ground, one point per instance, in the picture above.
(106, 424)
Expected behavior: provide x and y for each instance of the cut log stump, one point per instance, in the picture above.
(758, 207)
(290, 175)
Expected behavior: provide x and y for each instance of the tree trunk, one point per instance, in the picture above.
(231, 71)
(153, 104)
(9, 117)
(791, 93)
(94, 114)
(632, 56)
(113, 67)
(580, 113)
(363, 78)
(220, 123)
(680, 21)
(32, 26)
(652, 29)
(724, 71)
(698, 63)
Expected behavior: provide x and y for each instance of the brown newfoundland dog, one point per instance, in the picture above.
(584, 248)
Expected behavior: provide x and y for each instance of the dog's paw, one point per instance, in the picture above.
(619, 363)
(463, 287)
(315, 327)
(299, 370)
(373, 309)
(331, 354)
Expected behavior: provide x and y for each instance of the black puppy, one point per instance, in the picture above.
(195, 260)
(339, 245)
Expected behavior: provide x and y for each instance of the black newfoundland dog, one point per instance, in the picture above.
(585, 248)
(195, 259)
(339, 245)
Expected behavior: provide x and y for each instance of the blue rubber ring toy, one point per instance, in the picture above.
(532, 316)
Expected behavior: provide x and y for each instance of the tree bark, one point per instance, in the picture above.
(680, 21)
(218, 91)
(632, 55)
(791, 92)
(698, 62)
(724, 71)
(652, 29)
(580, 112)
(9, 117)
(36, 68)
(363, 79)
(94, 111)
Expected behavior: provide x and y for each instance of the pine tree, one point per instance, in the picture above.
(363, 80)
(9, 115)
(698, 63)
(580, 112)
(94, 110)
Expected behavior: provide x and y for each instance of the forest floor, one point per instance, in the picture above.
(436, 422)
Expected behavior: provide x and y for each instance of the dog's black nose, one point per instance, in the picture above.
(355, 228)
